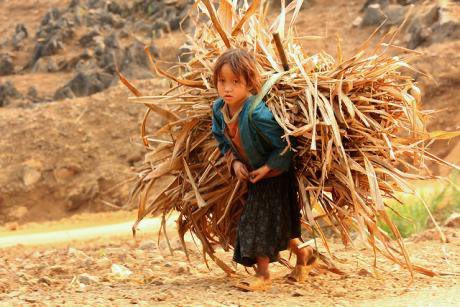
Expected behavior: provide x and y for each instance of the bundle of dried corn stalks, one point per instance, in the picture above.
(359, 132)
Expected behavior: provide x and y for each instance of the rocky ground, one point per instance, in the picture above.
(70, 143)
(61, 157)
(120, 271)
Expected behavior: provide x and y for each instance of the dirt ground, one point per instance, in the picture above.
(63, 161)
(89, 273)
(77, 155)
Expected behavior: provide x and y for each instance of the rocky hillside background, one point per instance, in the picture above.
(70, 137)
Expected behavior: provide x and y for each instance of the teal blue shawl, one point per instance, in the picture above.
(261, 136)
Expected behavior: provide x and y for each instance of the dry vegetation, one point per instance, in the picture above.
(359, 133)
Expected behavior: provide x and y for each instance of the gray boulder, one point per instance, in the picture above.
(434, 25)
(85, 84)
(45, 65)
(63, 93)
(51, 16)
(74, 4)
(98, 17)
(373, 15)
(381, 3)
(395, 14)
(185, 53)
(6, 65)
(135, 64)
(88, 40)
(20, 34)
(114, 8)
(111, 41)
(55, 29)
(8, 92)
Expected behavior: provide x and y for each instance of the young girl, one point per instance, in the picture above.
(250, 138)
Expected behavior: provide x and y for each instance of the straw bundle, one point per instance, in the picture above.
(359, 134)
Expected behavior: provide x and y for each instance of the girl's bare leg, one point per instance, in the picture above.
(262, 268)
(302, 254)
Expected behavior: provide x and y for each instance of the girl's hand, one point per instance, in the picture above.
(240, 170)
(259, 173)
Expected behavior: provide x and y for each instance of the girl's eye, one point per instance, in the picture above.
(236, 81)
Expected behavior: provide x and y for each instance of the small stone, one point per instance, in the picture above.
(89, 261)
(6, 65)
(30, 176)
(149, 275)
(87, 279)
(12, 226)
(299, 292)
(364, 272)
(45, 280)
(58, 269)
(357, 22)
(148, 245)
(65, 172)
(120, 271)
(31, 300)
(78, 254)
(340, 292)
(182, 267)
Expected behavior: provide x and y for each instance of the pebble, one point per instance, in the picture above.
(31, 299)
(78, 254)
(120, 271)
(87, 279)
(45, 280)
(299, 292)
(339, 292)
(364, 272)
(58, 269)
(149, 275)
(148, 245)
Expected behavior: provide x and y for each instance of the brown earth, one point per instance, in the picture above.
(75, 156)
(83, 273)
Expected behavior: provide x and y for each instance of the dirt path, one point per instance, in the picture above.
(81, 266)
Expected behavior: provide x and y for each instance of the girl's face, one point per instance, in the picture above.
(232, 88)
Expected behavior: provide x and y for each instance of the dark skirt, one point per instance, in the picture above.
(270, 218)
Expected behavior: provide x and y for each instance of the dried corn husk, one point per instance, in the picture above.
(360, 135)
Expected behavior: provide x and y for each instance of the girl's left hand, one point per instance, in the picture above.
(259, 173)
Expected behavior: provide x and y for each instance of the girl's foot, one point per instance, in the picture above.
(306, 261)
(305, 256)
(255, 283)
(300, 273)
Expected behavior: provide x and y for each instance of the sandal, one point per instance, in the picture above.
(254, 283)
(300, 272)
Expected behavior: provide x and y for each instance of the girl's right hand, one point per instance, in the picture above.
(240, 170)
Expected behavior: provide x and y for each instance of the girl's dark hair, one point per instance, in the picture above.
(242, 64)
